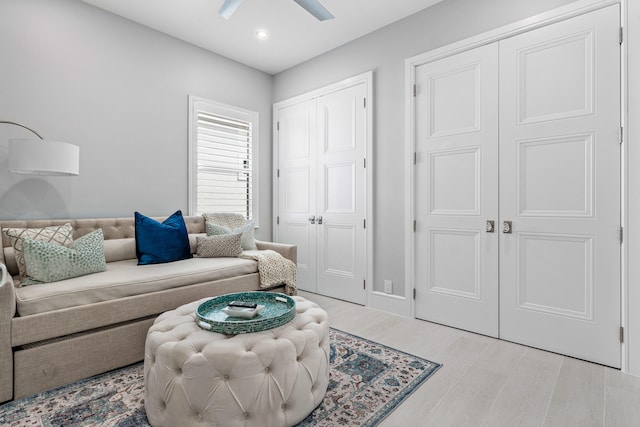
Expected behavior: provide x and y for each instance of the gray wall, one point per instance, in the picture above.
(118, 90)
(385, 51)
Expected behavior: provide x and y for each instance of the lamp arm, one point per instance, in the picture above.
(22, 126)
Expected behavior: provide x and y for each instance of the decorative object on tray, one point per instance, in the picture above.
(278, 310)
(243, 312)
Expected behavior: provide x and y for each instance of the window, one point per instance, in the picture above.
(221, 158)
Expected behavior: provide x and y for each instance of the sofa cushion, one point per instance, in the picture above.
(49, 262)
(126, 278)
(227, 245)
(125, 248)
(59, 234)
(120, 249)
(161, 242)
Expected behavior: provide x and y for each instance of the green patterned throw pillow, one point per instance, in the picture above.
(247, 238)
(47, 262)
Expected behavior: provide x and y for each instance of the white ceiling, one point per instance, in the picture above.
(295, 35)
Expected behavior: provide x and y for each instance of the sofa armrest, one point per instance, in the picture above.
(7, 311)
(284, 249)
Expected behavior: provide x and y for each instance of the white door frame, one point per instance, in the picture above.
(367, 80)
(555, 15)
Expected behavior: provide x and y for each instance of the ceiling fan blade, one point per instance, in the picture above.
(228, 7)
(316, 9)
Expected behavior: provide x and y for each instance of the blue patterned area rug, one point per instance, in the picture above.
(367, 382)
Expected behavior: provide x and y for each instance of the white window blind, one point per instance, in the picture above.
(222, 158)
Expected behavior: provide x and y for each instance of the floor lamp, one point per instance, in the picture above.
(42, 157)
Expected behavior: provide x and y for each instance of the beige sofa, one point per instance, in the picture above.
(56, 333)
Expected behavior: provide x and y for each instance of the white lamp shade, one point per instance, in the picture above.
(43, 157)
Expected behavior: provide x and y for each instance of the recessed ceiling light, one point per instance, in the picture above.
(262, 34)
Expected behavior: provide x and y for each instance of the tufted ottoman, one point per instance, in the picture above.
(194, 377)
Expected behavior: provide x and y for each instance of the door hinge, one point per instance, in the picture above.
(415, 225)
(621, 334)
(277, 125)
(621, 36)
(278, 173)
(364, 284)
(621, 136)
(621, 234)
(278, 220)
(365, 102)
(415, 90)
(414, 293)
(364, 163)
(415, 157)
(364, 223)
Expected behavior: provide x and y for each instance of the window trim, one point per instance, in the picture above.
(198, 104)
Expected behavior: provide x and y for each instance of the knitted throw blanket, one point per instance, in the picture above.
(274, 269)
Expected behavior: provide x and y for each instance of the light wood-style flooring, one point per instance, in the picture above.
(488, 382)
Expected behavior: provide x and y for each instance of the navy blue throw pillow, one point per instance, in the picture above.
(161, 242)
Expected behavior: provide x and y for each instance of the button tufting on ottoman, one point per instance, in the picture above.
(276, 377)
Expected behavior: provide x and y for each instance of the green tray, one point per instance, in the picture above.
(279, 309)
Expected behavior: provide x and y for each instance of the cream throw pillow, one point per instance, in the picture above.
(58, 234)
(225, 219)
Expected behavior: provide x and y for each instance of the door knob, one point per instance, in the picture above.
(506, 227)
(312, 219)
(491, 226)
(320, 220)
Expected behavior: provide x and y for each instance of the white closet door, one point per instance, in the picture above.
(322, 190)
(297, 186)
(560, 187)
(341, 184)
(456, 177)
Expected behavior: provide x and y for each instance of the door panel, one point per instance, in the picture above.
(340, 184)
(339, 251)
(550, 262)
(447, 278)
(341, 200)
(296, 186)
(562, 90)
(455, 100)
(454, 182)
(457, 191)
(572, 194)
(560, 187)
